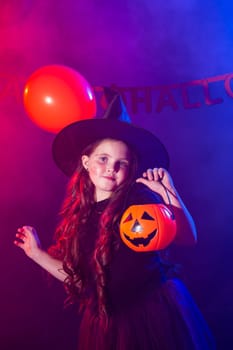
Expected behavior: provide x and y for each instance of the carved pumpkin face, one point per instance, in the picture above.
(147, 227)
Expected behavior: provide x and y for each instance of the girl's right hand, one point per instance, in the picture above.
(28, 240)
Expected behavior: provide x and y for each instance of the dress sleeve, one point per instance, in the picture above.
(141, 194)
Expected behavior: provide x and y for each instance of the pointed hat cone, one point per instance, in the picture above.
(115, 124)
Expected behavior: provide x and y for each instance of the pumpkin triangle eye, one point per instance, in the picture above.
(129, 218)
(146, 216)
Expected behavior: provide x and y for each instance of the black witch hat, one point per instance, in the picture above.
(115, 124)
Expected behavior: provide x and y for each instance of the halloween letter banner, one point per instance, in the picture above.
(150, 99)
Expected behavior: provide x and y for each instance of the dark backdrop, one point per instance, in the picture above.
(132, 44)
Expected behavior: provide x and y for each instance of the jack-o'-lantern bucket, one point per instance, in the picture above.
(147, 227)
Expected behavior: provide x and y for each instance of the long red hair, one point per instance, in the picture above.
(75, 213)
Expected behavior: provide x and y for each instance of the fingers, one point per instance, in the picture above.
(155, 174)
(22, 235)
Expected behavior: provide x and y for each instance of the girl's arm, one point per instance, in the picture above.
(160, 181)
(28, 240)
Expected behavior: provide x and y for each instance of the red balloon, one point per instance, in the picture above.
(56, 95)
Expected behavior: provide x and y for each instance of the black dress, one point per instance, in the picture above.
(149, 311)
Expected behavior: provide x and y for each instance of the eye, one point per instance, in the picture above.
(129, 218)
(146, 216)
(103, 159)
(123, 164)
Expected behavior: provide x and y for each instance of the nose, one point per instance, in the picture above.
(110, 170)
(137, 228)
(113, 168)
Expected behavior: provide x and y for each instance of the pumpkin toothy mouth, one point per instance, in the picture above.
(140, 240)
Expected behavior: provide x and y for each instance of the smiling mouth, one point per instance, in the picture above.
(109, 178)
(140, 240)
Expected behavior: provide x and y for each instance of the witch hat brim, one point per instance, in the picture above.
(70, 142)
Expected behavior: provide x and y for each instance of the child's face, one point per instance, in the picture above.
(108, 167)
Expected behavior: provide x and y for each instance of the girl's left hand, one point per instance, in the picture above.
(157, 179)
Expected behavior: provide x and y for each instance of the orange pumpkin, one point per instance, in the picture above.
(147, 227)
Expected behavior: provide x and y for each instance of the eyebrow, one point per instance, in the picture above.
(107, 154)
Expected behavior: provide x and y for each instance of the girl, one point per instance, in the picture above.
(127, 299)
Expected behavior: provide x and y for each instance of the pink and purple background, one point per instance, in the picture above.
(134, 44)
